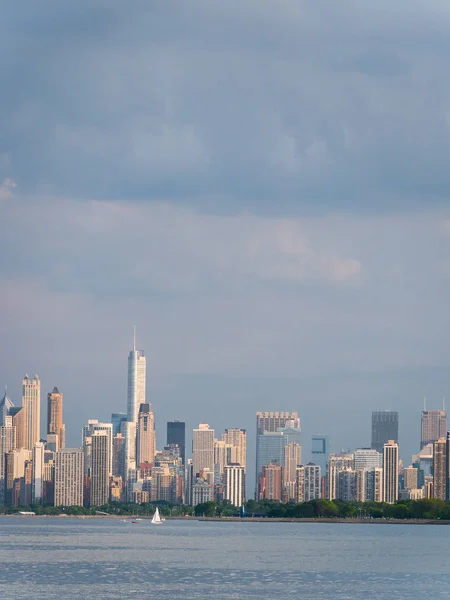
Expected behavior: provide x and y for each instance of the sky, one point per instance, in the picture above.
(261, 187)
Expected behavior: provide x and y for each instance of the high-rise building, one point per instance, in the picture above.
(55, 416)
(433, 425)
(384, 428)
(37, 492)
(203, 448)
(273, 422)
(337, 463)
(440, 468)
(116, 420)
(222, 458)
(369, 485)
(271, 482)
(88, 431)
(69, 468)
(411, 478)
(390, 472)
(367, 458)
(137, 373)
(100, 474)
(237, 438)
(118, 462)
(7, 443)
(17, 468)
(346, 485)
(31, 401)
(146, 437)
(292, 458)
(312, 481)
(176, 434)
(234, 484)
(128, 430)
(320, 451)
(20, 422)
(5, 405)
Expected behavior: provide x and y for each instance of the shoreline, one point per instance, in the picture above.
(349, 521)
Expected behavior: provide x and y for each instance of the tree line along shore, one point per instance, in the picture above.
(428, 509)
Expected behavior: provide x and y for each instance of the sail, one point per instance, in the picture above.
(156, 518)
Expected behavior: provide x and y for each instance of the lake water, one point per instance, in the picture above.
(44, 558)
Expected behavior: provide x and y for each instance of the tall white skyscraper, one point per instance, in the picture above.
(31, 401)
(37, 493)
(101, 458)
(137, 371)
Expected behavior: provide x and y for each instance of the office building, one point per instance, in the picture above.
(176, 434)
(222, 458)
(384, 428)
(31, 401)
(203, 449)
(320, 451)
(411, 477)
(118, 462)
(5, 405)
(433, 426)
(440, 469)
(55, 416)
(237, 439)
(234, 484)
(292, 458)
(146, 436)
(69, 468)
(20, 423)
(88, 431)
(116, 420)
(38, 460)
(390, 472)
(128, 430)
(272, 421)
(100, 461)
(16, 462)
(367, 458)
(7, 443)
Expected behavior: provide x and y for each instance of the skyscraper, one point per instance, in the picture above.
(176, 434)
(390, 472)
(367, 458)
(101, 459)
(440, 468)
(384, 428)
(31, 401)
(271, 422)
(7, 443)
(145, 438)
(55, 416)
(237, 438)
(69, 468)
(234, 484)
(116, 420)
(137, 370)
(20, 422)
(433, 425)
(320, 451)
(5, 405)
(203, 448)
(37, 492)
(312, 481)
(89, 430)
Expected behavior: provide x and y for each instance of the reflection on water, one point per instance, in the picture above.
(46, 558)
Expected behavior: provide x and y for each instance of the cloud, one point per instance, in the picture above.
(6, 188)
(228, 107)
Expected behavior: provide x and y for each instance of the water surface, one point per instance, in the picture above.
(45, 558)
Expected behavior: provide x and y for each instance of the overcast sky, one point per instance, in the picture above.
(261, 186)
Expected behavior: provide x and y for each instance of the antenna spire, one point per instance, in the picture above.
(134, 338)
(424, 403)
(443, 402)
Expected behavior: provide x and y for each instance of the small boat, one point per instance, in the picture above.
(156, 519)
(134, 522)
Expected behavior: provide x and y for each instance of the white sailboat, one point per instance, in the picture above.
(156, 519)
